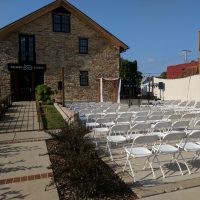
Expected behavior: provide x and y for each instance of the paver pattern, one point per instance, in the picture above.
(24, 160)
(22, 116)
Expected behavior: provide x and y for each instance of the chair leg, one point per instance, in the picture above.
(145, 164)
(109, 150)
(175, 159)
(150, 164)
(131, 170)
(158, 161)
(127, 157)
(184, 162)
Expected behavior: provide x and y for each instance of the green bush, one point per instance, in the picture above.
(43, 93)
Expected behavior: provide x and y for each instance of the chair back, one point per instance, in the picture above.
(194, 134)
(162, 125)
(127, 114)
(188, 116)
(174, 136)
(123, 120)
(140, 127)
(142, 113)
(180, 125)
(140, 119)
(120, 128)
(146, 139)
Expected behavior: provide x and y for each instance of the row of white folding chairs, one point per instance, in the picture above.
(105, 128)
(182, 105)
(120, 136)
(164, 146)
(139, 117)
(160, 129)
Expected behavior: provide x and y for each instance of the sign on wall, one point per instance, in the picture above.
(26, 67)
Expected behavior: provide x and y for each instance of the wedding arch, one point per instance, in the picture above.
(116, 88)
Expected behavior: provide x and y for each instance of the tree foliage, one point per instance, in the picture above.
(131, 78)
(163, 75)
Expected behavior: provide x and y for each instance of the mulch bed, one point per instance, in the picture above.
(113, 188)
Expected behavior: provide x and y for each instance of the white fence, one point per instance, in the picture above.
(184, 88)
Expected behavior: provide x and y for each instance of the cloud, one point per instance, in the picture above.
(150, 60)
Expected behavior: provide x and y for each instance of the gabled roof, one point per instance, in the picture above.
(76, 12)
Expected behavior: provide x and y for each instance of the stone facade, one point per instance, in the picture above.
(57, 50)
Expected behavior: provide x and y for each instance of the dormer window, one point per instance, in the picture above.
(61, 20)
(61, 23)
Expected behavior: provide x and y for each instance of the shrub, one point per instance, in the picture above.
(78, 172)
(43, 93)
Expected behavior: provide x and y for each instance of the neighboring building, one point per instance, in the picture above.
(182, 70)
(34, 49)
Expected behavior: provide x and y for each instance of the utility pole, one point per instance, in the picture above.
(199, 53)
(186, 54)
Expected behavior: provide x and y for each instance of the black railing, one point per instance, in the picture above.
(5, 103)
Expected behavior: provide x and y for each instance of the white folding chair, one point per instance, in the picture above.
(102, 128)
(123, 109)
(117, 135)
(142, 113)
(156, 113)
(140, 148)
(138, 129)
(91, 120)
(160, 128)
(180, 126)
(192, 144)
(174, 117)
(154, 118)
(188, 116)
(127, 114)
(123, 120)
(166, 147)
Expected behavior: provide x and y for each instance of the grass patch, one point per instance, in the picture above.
(51, 118)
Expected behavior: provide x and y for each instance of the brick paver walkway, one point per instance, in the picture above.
(22, 116)
(24, 162)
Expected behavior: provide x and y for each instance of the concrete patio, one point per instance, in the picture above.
(24, 162)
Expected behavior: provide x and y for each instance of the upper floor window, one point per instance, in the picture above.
(61, 23)
(26, 49)
(83, 45)
(84, 80)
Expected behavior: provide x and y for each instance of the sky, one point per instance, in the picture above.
(156, 31)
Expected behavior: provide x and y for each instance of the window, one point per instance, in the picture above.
(26, 49)
(83, 45)
(61, 23)
(84, 81)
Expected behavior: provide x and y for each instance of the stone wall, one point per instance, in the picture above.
(58, 50)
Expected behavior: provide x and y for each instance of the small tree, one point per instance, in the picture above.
(131, 78)
(43, 93)
(163, 75)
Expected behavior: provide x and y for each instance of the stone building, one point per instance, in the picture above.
(36, 48)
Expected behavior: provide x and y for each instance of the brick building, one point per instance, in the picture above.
(34, 49)
(182, 70)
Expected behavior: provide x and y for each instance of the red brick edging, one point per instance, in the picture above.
(26, 178)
